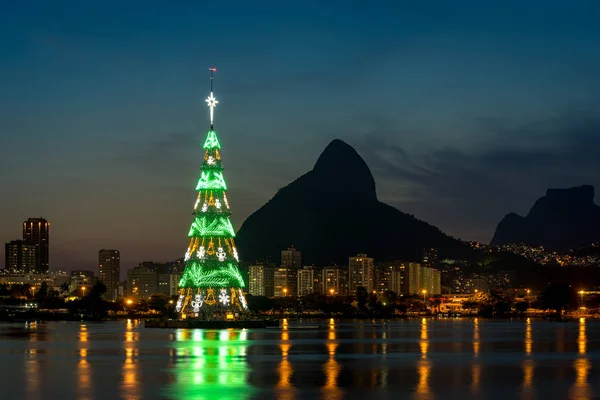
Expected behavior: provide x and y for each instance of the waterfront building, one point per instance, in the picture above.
(141, 282)
(21, 256)
(109, 272)
(261, 280)
(36, 231)
(361, 272)
(306, 281)
(421, 280)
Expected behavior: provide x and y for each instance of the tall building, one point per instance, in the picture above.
(291, 258)
(284, 282)
(174, 278)
(306, 281)
(418, 279)
(109, 272)
(390, 277)
(361, 272)
(397, 278)
(331, 281)
(286, 276)
(20, 256)
(142, 282)
(37, 231)
(261, 280)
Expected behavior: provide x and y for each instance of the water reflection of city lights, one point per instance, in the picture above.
(476, 337)
(423, 366)
(582, 339)
(528, 338)
(32, 367)
(285, 372)
(84, 381)
(475, 377)
(423, 370)
(332, 371)
(211, 365)
(83, 333)
(130, 386)
(528, 370)
(424, 343)
(476, 367)
(581, 388)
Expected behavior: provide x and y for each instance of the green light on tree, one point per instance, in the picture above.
(211, 260)
(211, 179)
(211, 142)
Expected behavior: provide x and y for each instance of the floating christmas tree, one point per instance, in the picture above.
(211, 281)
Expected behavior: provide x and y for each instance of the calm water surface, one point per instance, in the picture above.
(423, 359)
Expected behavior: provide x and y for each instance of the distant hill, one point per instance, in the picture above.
(561, 220)
(332, 212)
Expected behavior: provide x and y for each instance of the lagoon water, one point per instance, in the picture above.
(421, 359)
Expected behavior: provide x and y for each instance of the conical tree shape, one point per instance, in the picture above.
(211, 279)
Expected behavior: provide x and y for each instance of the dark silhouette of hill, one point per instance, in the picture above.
(561, 220)
(332, 212)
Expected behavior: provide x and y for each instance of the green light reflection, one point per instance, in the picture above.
(211, 364)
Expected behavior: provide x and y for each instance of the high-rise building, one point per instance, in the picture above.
(390, 277)
(331, 281)
(382, 278)
(174, 278)
(397, 278)
(291, 258)
(306, 281)
(361, 272)
(109, 272)
(37, 231)
(20, 256)
(142, 282)
(286, 276)
(260, 279)
(283, 282)
(419, 279)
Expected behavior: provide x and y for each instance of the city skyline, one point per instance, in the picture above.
(463, 113)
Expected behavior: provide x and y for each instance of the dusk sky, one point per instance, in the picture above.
(464, 110)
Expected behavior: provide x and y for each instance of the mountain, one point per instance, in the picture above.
(561, 220)
(332, 212)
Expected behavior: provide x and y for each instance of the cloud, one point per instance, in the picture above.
(465, 190)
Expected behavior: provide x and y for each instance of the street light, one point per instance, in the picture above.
(129, 301)
(424, 293)
(284, 292)
(528, 291)
(83, 291)
(331, 291)
(581, 293)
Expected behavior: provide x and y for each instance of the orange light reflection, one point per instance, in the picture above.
(285, 369)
